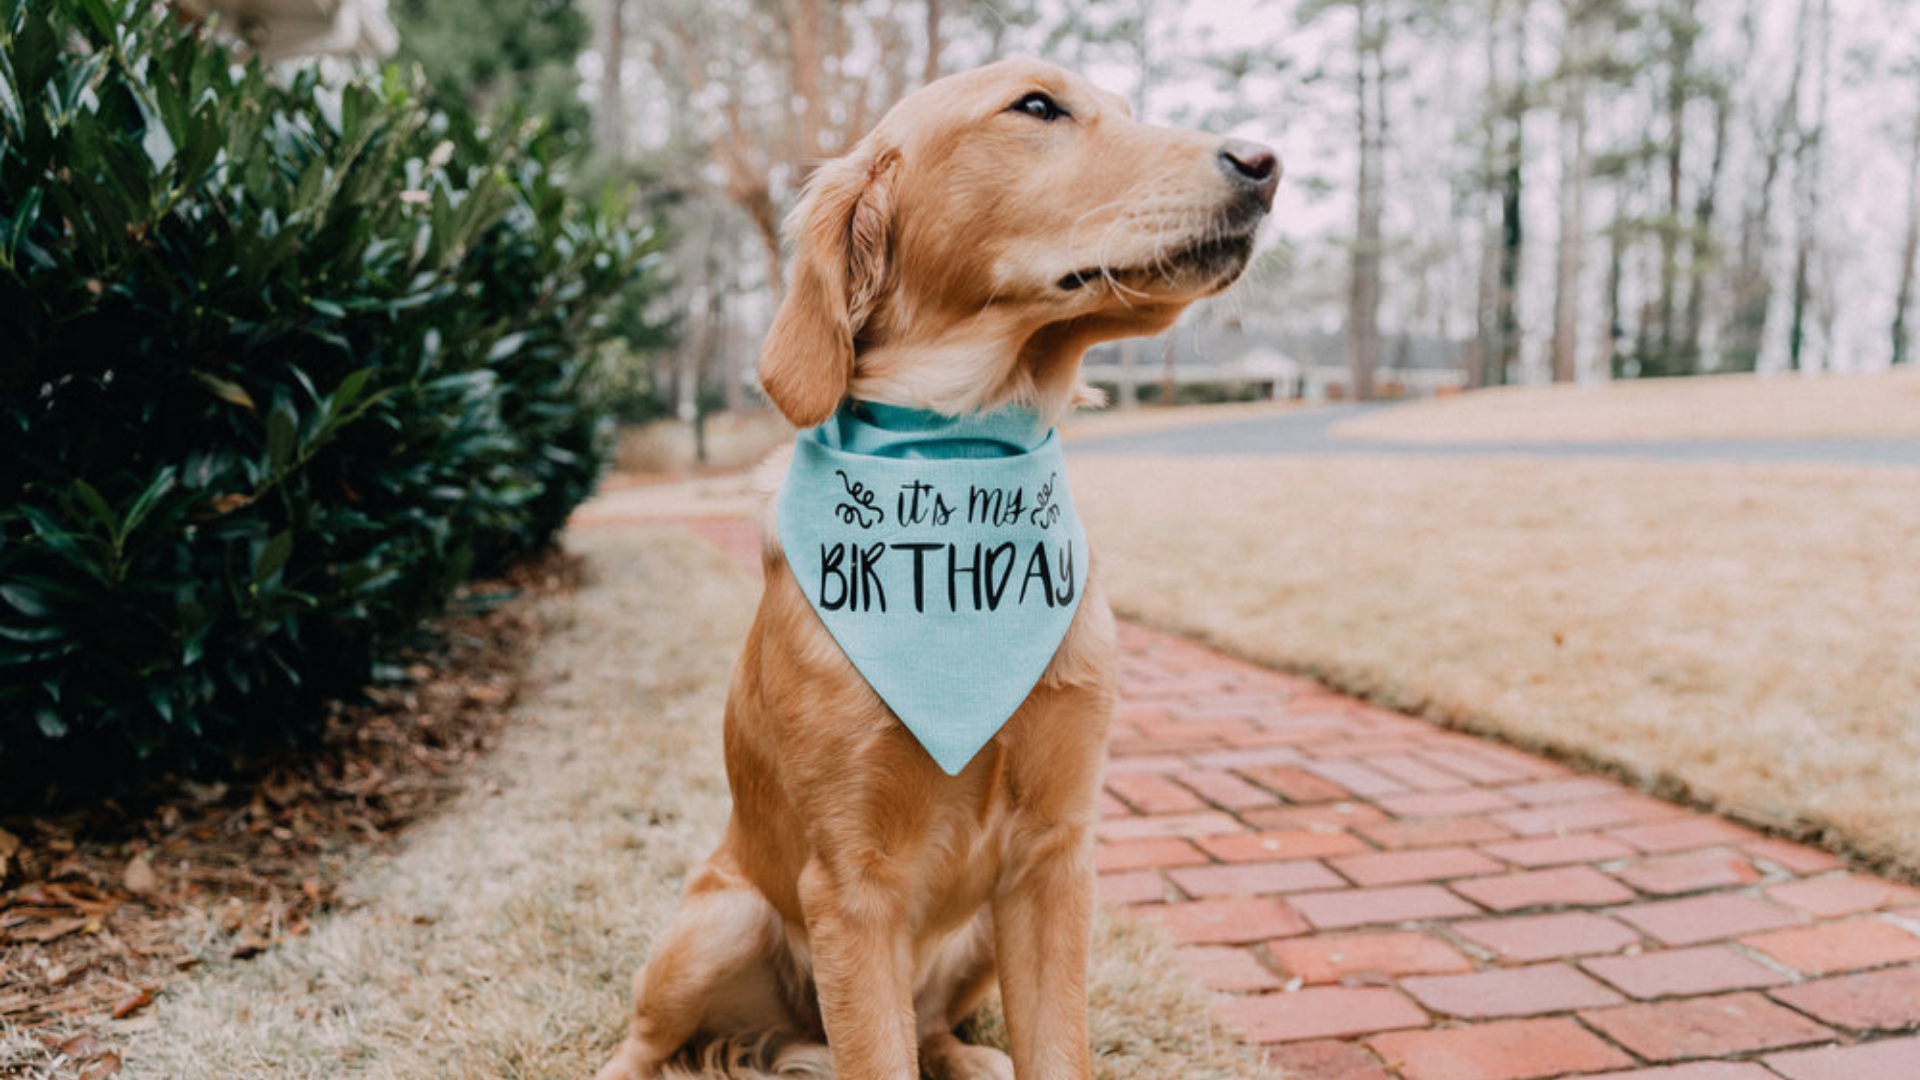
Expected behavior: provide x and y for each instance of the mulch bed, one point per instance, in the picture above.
(102, 904)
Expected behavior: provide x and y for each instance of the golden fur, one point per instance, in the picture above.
(962, 257)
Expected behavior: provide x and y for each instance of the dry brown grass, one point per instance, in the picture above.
(1744, 634)
(500, 941)
(1719, 407)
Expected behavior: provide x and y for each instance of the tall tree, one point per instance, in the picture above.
(1903, 336)
(609, 118)
(1578, 64)
(1704, 250)
(1752, 287)
(1816, 22)
(1681, 27)
(1496, 346)
(1371, 22)
(1370, 93)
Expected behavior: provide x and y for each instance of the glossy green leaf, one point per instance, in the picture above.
(227, 391)
(273, 556)
(280, 437)
(25, 600)
(97, 506)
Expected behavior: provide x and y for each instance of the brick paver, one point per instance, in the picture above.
(1893, 1059)
(1326, 958)
(1348, 908)
(1523, 991)
(1698, 871)
(1705, 1027)
(1320, 1012)
(1503, 1050)
(1253, 879)
(1841, 946)
(1695, 1070)
(1230, 920)
(1325, 1059)
(1842, 894)
(1525, 938)
(1700, 969)
(1706, 918)
(1886, 1000)
(1378, 898)
(1562, 886)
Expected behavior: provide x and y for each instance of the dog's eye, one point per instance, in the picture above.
(1039, 106)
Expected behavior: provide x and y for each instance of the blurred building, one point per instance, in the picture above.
(285, 29)
(1240, 363)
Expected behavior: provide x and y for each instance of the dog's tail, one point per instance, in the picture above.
(765, 1058)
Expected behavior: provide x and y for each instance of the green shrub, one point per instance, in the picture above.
(282, 361)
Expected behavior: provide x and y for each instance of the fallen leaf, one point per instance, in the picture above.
(101, 1067)
(126, 1007)
(205, 794)
(82, 1047)
(51, 930)
(139, 876)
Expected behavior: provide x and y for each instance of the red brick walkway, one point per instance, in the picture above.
(1374, 896)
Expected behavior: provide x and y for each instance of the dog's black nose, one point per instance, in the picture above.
(1251, 165)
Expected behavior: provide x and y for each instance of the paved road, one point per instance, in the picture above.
(1306, 433)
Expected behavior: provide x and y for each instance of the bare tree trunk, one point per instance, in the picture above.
(1169, 377)
(932, 70)
(1752, 285)
(1481, 347)
(1909, 250)
(1485, 344)
(1807, 154)
(1703, 238)
(1573, 191)
(1506, 315)
(610, 123)
(1363, 299)
(711, 362)
(1616, 276)
(1681, 31)
(807, 33)
(732, 366)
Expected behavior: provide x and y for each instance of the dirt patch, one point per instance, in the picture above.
(1739, 635)
(1883, 405)
(501, 940)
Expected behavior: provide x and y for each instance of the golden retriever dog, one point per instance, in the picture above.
(961, 258)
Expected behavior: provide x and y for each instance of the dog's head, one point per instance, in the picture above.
(991, 228)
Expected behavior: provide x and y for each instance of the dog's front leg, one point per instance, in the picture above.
(862, 966)
(1043, 924)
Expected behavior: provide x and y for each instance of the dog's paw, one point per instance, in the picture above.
(960, 1061)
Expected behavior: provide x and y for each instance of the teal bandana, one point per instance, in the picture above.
(944, 555)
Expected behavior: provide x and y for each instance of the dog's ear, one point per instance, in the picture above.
(839, 234)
